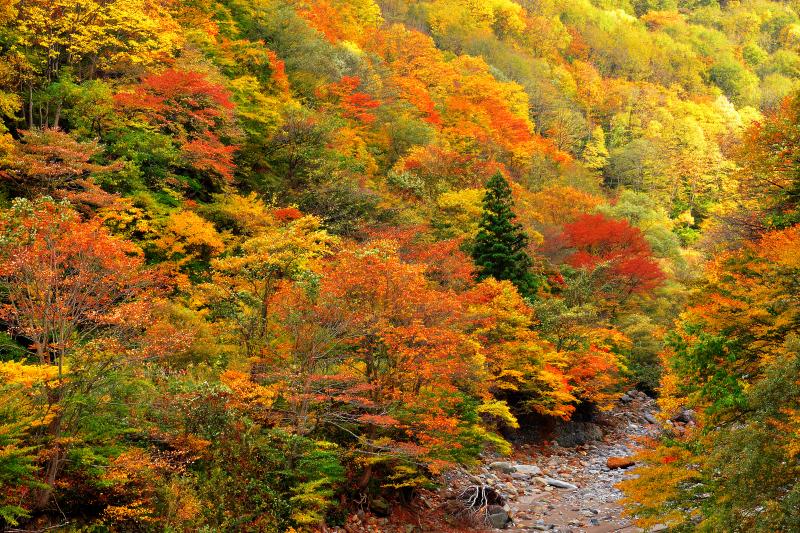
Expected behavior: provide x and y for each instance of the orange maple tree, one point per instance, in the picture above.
(67, 279)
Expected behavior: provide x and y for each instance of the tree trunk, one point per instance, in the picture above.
(30, 106)
(43, 495)
(365, 478)
(57, 115)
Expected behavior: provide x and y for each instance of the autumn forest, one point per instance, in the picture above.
(269, 265)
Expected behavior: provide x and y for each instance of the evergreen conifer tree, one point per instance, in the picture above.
(500, 249)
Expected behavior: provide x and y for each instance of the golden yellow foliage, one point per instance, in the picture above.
(186, 236)
(112, 35)
(15, 373)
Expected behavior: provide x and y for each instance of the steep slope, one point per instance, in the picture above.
(246, 245)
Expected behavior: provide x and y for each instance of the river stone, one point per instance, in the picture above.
(531, 470)
(503, 466)
(557, 483)
(619, 462)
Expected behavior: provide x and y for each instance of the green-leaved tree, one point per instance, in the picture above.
(500, 249)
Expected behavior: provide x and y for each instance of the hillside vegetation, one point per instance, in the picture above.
(267, 262)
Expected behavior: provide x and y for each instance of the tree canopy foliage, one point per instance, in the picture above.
(263, 259)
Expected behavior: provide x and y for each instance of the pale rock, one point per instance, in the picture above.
(553, 482)
(503, 466)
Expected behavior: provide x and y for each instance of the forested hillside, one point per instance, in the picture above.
(268, 263)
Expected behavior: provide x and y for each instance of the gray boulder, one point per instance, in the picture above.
(498, 517)
(577, 433)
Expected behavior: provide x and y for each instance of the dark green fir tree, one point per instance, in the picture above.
(500, 249)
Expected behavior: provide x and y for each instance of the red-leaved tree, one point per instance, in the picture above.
(615, 252)
(193, 110)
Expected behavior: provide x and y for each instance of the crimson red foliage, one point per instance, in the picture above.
(617, 247)
(193, 110)
(353, 103)
(287, 214)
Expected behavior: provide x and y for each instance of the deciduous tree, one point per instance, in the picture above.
(616, 251)
(195, 112)
(74, 293)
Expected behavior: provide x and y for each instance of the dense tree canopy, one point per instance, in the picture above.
(733, 358)
(264, 263)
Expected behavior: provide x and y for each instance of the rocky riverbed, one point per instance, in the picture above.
(564, 484)
(550, 487)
